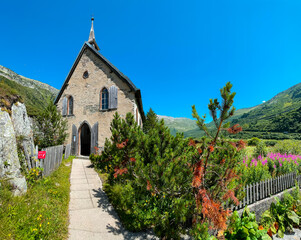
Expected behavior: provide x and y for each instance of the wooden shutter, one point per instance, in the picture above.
(64, 109)
(94, 136)
(70, 105)
(74, 140)
(113, 101)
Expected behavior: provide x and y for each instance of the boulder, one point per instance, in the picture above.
(23, 130)
(9, 161)
(21, 121)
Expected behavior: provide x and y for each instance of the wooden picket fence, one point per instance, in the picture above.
(52, 160)
(265, 189)
(67, 151)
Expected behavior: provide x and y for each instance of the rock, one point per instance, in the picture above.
(21, 121)
(23, 130)
(9, 161)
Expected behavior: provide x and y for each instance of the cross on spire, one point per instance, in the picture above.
(92, 40)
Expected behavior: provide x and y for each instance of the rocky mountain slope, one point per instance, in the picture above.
(14, 87)
(178, 124)
(26, 82)
(278, 118)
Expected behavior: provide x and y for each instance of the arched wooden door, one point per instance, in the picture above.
(84, 140)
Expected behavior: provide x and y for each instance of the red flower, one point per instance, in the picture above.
(119, 171)
(149, 186)
(122, 145)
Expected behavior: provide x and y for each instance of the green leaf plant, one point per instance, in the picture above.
(245, 227)
(281, 217)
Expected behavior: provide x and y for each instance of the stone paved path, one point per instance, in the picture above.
(91, 215)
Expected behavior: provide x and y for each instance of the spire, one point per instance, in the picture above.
(92, 40)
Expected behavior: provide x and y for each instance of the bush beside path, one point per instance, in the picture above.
(91, 214)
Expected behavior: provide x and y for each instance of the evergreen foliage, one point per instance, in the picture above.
(150, 121)
(50, 127)
(149, 176)
(214, 173)
(168, 183)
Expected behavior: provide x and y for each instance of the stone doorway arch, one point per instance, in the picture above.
(84, 142)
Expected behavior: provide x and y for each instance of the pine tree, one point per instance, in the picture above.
(214, 169)
(151, 121)
(50, 129)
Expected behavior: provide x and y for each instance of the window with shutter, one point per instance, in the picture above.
(64, 107)
(137, 116)
(104, 99)
(70, 105)
(113, 97)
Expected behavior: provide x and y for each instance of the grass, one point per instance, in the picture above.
(35, 99)
(42, 213)
(102, 175)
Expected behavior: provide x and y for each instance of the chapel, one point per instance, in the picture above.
(92, 92)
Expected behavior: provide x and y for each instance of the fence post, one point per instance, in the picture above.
(254, 192)
(244, 200)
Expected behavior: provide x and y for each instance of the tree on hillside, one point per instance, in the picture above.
(50, 129)
(151, 121)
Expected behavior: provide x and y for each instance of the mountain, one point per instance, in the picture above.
(14, 87)
(278, 118)
(280, 114)
(178, 124)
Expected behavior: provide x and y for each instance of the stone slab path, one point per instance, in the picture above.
(90, 213)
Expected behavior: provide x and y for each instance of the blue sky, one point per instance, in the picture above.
(179, 53)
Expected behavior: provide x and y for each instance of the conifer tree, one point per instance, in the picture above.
(150, 121)
(214, 169)
(50, 129)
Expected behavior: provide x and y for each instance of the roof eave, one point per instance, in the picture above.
(112, 67)
(69, 74)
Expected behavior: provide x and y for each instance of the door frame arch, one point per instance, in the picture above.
(79, 136)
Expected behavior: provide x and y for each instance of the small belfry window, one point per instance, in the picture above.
(85, 75)
(104, 98)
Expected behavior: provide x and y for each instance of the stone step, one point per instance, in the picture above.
(82, 157)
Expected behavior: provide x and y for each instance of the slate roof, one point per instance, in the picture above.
(124, 78)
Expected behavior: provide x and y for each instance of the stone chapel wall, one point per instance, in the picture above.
(86, 96)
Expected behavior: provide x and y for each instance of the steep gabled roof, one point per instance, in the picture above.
(124, 78)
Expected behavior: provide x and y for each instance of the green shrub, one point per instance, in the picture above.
(168, 183)
(245, 227)
(254, 172)
(281, 216)
(270, 143)
(149, 180)
(288, 147)
(260, 150)
(253, 141)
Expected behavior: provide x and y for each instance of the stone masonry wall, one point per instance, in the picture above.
(86, 96)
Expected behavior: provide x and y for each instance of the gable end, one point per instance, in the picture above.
(112, 67)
